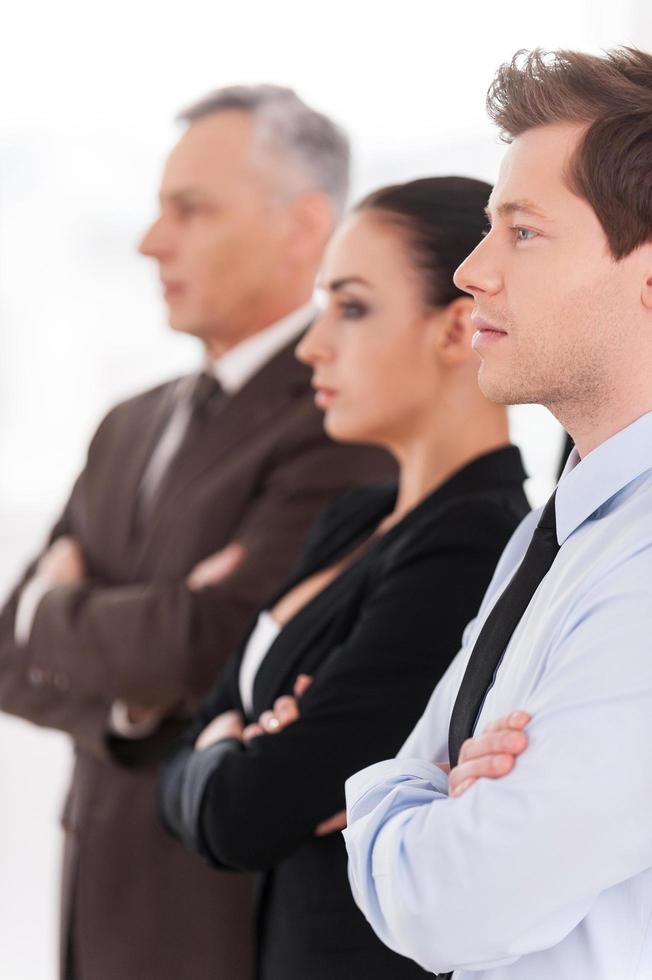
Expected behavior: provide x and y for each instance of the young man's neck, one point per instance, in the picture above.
(590, 427)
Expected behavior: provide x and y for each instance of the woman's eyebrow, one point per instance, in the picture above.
(336, 284)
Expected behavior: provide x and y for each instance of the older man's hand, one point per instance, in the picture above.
(216, 568)
(63, 563)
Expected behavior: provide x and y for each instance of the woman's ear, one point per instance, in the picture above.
(455, 331)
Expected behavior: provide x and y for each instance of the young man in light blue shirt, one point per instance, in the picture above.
(546, 873)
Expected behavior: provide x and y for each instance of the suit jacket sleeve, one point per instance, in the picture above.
(248, 808)
(156, 642)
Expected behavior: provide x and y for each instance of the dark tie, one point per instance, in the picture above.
(498, 629)
(206, 396)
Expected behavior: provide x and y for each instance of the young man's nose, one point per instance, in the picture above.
(478, 272)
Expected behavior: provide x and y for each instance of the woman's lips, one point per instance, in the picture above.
(324, 396)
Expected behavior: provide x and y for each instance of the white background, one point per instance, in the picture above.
(87, 94)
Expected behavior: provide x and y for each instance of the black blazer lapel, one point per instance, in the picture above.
(321, 624)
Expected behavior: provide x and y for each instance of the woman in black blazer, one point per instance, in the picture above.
(376, 609)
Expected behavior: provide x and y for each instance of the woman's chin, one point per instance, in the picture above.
(337, 428)
(342, 431)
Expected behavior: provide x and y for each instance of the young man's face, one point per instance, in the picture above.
(551, 302)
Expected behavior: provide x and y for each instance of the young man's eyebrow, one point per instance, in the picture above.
(511, 207)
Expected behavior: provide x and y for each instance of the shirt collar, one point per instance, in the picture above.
(586, 484)
(241, 362)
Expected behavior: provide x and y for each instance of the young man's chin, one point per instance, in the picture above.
(496, 389)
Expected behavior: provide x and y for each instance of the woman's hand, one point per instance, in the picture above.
(284, 711)
(230, 724)
(490, 755)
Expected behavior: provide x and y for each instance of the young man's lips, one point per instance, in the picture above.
(486, 333)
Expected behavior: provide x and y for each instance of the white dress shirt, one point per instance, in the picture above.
(261, 639)
(545, 874)
(233, 370)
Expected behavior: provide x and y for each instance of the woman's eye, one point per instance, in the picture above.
(352, 310)
(524, 234)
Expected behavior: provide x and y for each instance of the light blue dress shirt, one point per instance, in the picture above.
(545, 874)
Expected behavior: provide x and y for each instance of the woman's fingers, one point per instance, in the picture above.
(227, 725)
(302, 684)
(252, 731)
(269, 722)
(333, 824)
(286, 710)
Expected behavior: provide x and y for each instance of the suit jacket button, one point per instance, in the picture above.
(36, 676)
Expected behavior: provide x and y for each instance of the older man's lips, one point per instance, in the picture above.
(324, 397)
(486, 334)
(172, 290)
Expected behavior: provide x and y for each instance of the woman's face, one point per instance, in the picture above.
(372, 348)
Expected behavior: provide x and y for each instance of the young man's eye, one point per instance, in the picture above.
(524, 234)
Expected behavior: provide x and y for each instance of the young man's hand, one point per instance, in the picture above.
(490, 755)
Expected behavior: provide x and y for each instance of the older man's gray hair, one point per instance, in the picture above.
(315, 148)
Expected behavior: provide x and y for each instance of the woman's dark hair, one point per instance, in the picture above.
(443, 219)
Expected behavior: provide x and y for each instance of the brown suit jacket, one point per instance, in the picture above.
(136, 905)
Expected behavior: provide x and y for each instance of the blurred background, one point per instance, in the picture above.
(87, 98)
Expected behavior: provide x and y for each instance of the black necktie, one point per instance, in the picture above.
(498, 629)
(206, 395)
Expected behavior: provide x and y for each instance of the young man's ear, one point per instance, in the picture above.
(455, 332)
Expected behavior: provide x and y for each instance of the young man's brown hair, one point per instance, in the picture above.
(612, 95)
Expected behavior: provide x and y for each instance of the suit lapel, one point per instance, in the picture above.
(253, 407)
(146, 429)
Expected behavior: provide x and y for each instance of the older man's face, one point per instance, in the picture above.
(221, 233)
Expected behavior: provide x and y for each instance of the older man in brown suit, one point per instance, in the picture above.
(193, 504)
